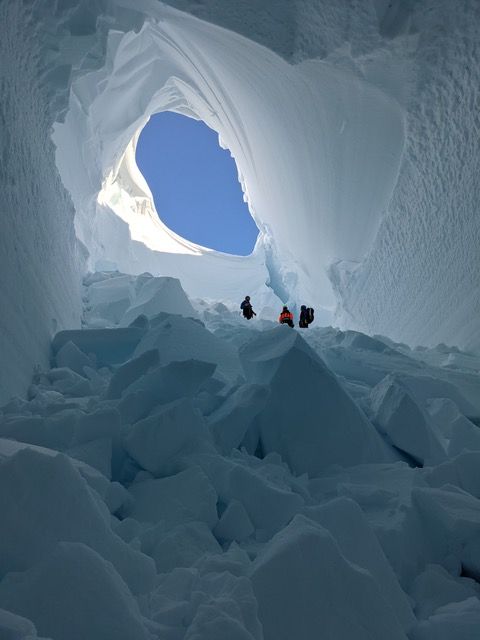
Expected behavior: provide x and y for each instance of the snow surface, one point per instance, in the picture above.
(146, 494)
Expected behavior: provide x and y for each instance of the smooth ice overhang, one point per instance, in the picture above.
(127, 194)
(317, 148)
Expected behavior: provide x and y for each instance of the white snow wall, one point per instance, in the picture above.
(353, 124)
(299, 133)
(39, 275)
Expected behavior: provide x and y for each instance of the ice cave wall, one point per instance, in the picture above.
(284, 140)
(353, 125)
(352, 128)
(39, 259)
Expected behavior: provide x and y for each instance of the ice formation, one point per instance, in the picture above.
(189, 474)
(357, 157)
(173, 471)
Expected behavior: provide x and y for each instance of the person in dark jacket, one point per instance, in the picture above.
(286, 317)
(303, 321)
(247, 309)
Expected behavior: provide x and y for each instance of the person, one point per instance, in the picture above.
(286, 317)
(247, 309)
(306, 316)
(302, 323)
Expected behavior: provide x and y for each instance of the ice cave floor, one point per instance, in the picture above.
(183, 474)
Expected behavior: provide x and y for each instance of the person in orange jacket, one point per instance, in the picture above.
(286, 317)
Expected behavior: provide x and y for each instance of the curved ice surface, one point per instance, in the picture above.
(339, 160)
(353, 130)
(300, 144)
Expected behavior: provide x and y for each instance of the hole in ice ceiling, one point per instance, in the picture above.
(194, 184)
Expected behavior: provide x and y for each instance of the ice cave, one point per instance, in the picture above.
(171, 469)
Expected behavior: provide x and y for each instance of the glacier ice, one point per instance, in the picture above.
(176, 430)
(169, 471)
(73, 593)
(15, 627)
(356, 158)
(457, 620)
(395, 412)
(187, 503)
(292, 602)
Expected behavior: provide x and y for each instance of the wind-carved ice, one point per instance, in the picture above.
(303, 171)
(326, 149)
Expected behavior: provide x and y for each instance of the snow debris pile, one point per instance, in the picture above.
(182, 474)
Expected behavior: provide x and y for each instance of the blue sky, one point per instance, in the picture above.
(194, 183)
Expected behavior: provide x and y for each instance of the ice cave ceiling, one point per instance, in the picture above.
(353, 127)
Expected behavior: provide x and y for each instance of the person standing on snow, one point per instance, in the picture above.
(247, 309)
(286, 317)
(302, 322)
(306, 317)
